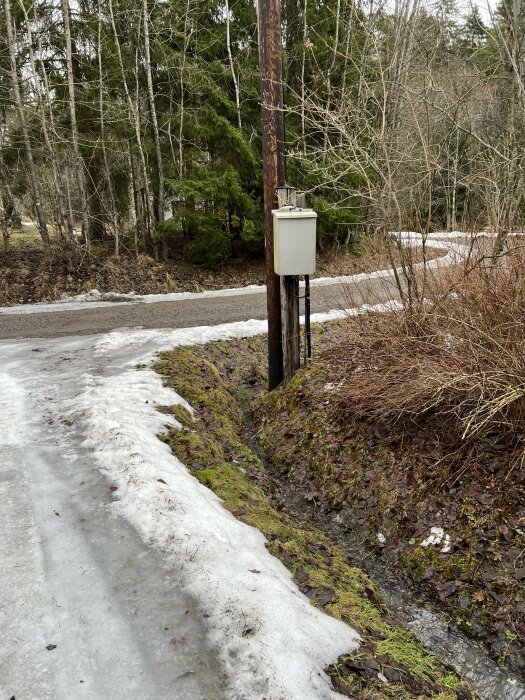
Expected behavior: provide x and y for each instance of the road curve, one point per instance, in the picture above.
(183, 314)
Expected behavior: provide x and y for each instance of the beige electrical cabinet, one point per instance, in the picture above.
(294, 241)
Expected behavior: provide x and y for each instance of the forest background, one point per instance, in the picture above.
(138, 123)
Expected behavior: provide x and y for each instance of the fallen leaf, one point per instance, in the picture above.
(325, 596)
(519, 574)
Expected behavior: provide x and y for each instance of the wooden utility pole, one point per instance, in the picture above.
(282, 298)
(270, 61)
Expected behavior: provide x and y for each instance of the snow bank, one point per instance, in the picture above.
(448, 235)
(95, 299)
(200, 335)
(272, 642)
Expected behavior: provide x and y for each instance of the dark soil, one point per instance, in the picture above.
(27, 277)
(359, 480)
(387, 486)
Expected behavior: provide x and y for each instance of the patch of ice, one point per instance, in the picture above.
(11, 412)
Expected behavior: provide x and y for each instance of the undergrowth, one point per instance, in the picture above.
(390, 663)
(456, 364)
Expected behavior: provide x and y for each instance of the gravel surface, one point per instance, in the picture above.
(182, 314)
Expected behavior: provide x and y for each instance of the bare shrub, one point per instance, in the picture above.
(457, 363)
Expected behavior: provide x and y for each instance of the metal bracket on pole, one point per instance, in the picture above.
(286, 197)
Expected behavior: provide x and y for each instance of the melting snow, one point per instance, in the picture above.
(437, 536)
(270, 641)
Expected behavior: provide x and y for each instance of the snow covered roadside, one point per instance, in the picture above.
(96, 299)
(271, 641)
(99, 411)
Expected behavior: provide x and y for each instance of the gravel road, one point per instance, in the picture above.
(182, 314)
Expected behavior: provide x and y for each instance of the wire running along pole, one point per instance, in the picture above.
(307, 330)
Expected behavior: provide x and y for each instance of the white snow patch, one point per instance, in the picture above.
(446, 544)
(11, 412)
(437, 537)
(335, 314)
(96, 299)
(94, 295)
(273, 643)
(200, 335)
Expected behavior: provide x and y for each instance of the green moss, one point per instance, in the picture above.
(198, 381)
(213, 449)
(417, 559)
(182, 415)
(197, 450)
(401, 646)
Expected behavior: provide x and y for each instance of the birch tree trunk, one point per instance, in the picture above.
(303, 71)
(43, 99)
(160, 197)
(331, 68)
(31, 171)
(232, 67)
(112, 199)
(8, 206)
(134, 112)
(79, 163)
(188, 31)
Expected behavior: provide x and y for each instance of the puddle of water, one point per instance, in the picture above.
(470, 661)
(466, 657)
